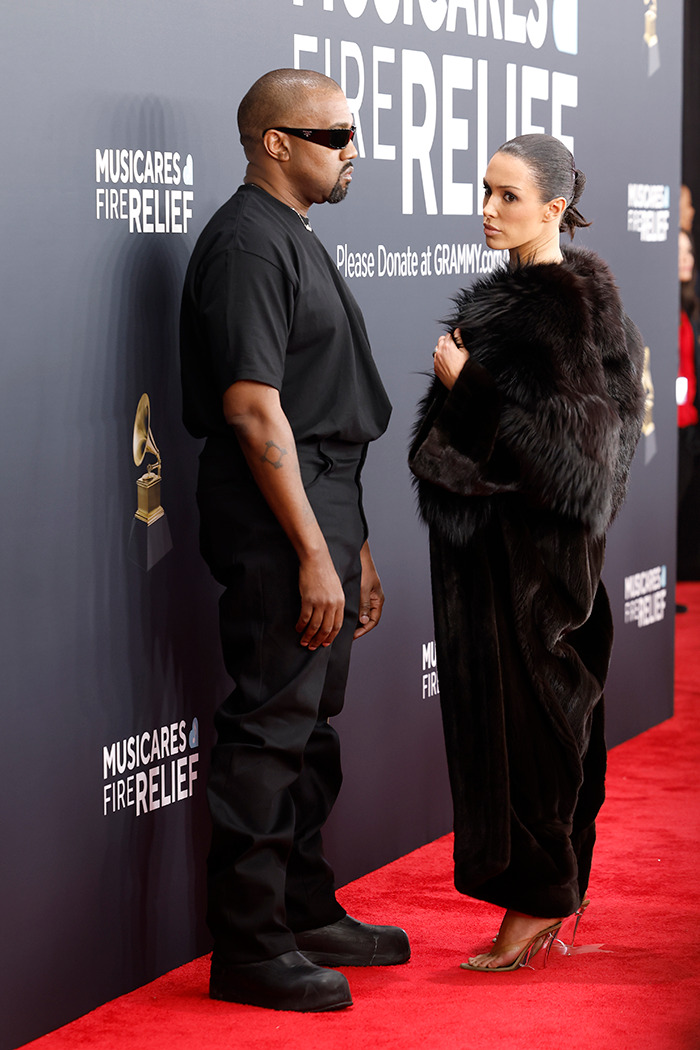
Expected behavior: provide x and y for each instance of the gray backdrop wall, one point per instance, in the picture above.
(118, 145)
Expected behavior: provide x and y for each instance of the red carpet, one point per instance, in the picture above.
(635, 985)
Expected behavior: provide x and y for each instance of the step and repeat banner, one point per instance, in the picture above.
(119, 144)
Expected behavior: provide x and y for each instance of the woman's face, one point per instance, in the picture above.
(686, 259)
(686, 211)
(515, 218)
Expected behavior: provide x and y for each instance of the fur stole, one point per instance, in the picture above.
(548, 407)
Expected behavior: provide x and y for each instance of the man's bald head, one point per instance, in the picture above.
(279, 98)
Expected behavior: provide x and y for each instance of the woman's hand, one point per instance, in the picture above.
(371, 595)
(449, 358)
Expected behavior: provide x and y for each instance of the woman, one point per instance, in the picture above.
(688, 430)
(522, 456)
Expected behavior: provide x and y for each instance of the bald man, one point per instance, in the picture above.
(278, 377)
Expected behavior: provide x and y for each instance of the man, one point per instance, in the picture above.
(278, 376)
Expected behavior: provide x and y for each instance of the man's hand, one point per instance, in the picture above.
(322, 602)
(371, 595)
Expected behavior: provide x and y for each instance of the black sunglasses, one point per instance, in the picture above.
(333, 138)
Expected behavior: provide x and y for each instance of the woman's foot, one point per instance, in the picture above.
(516, 932)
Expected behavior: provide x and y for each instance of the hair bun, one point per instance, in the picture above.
(579, 186)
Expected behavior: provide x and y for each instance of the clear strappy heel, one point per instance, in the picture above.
(578, 915)
(540, 941)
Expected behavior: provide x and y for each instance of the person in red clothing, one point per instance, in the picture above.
(686, 385)
(687, 402)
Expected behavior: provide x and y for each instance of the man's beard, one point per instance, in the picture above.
(340, 190)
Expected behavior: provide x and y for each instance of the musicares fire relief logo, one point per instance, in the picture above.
(431, 683)
(648, 210)
(150, 770)
(144, 188)
(645, 596)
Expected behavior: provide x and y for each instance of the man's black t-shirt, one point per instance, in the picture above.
(263, 301)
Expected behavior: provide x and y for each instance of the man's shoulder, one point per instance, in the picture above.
(233, 223)
(250, 222)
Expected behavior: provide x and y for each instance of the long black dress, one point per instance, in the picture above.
(521, 467)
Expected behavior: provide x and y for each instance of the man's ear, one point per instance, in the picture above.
(276, 144)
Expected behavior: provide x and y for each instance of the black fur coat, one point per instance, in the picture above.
(520, 469)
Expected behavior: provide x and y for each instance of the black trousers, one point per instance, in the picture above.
(688, 541)
(275, 769)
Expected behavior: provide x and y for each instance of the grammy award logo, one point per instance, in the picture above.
(148, 485)
(648, 426)
(150, 534)
(650, 37)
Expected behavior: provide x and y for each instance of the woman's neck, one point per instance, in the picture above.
(547, 252)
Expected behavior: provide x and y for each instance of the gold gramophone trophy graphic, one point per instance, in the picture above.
(648, 426)
(148, 486)
(150, 535)
(650, 37)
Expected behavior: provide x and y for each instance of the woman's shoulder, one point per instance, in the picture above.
(588, 266)
(581, 274)
(584, 260)
(578, 267)
(568, 295)
(551, 321)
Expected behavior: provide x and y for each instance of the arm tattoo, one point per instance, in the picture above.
(274, 458)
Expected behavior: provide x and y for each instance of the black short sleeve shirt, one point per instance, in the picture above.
(263, 301)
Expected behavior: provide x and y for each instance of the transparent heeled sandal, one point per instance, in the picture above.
(578, 915)
(540, 941)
